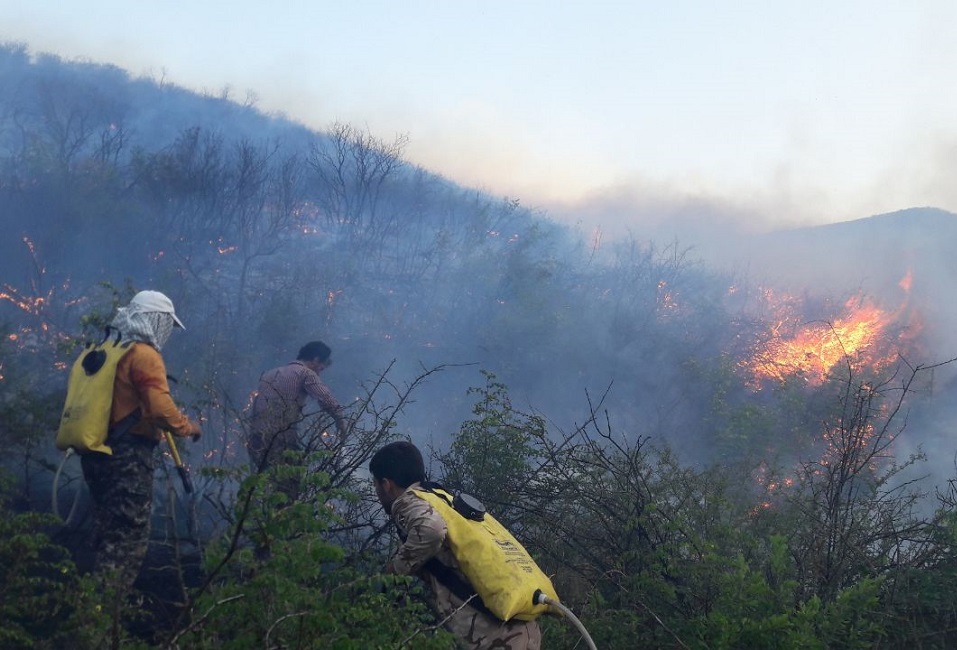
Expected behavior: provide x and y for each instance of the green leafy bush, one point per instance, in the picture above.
(46, 603)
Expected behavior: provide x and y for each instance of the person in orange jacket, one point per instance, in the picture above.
(121, 483)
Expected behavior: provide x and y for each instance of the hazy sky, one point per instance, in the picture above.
(791, 112)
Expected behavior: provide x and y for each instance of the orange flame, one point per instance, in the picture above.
(907, 281)
(666, 299)
(812, 349)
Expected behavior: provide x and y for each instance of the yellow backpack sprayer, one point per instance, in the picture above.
(85, 421)
(503, 578)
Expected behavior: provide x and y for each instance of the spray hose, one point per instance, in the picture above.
(55, 502)
(541, 599)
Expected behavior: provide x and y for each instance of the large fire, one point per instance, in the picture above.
(859, 335)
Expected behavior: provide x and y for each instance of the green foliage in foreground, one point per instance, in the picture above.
(648, 552)
(45, 603)
(289, 587)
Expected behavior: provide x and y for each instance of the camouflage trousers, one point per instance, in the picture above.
(121, 488)
(478, 631)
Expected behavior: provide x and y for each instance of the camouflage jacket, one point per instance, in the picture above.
(424, 537)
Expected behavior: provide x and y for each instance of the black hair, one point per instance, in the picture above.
(400, 461)
(314, 350)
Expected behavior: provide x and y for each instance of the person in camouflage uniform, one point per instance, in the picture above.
(121, 483)
(397, 469)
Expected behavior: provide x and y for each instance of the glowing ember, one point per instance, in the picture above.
(31, 305)
(666, 299)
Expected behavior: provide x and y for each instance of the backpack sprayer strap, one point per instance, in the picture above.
(452, 581)
(117, 335)
(457, 585)
(122, 428)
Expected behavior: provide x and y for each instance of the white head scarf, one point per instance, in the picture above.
(149, 318)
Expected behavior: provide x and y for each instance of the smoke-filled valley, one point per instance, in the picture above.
(685, 399)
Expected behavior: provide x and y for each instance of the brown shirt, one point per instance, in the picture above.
(282, 394)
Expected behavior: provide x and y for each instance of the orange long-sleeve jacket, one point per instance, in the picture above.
(141, 384)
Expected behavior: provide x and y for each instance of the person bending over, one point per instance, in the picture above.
(397, 469)
(279, 401)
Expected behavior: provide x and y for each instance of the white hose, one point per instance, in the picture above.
(54, 494)
(541, 599)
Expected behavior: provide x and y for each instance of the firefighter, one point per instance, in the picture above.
(121, 482)
(397, 471)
